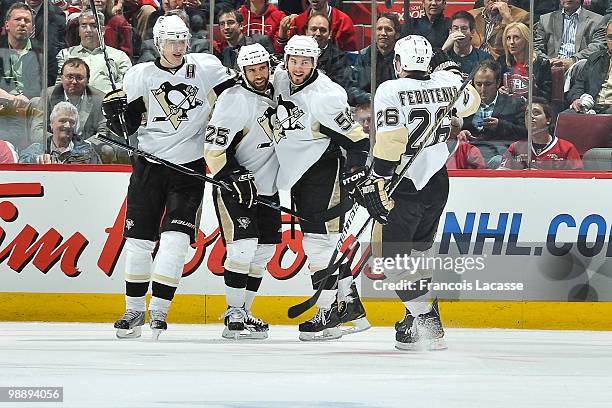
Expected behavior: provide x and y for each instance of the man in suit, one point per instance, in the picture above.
(570, 34)
(74, 88)
(491, 20)
(499, 121)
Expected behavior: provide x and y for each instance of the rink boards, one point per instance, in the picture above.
(61, 252)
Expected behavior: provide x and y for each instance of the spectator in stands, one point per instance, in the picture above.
(261, 18)
(343, 31)
(137, 12)
(8, 154)
(515, 64)
(332, 61)
(592, 88)
(117, 30)
(433, 25)
(491, 20)
(21, 73)
(62, 146)
(387, 33)
(548, 151)
(198, 16)
(74, 88)
(459, 47)
(464, 155)
(230, 24)
(499, 120)
(540, 6)
(56, 31)
(149, 51)
(568, 35)
(89, 51)
(292, 6)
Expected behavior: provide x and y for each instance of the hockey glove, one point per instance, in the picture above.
(372, 195)
(351, 179)
(242, 183)
(114, 104)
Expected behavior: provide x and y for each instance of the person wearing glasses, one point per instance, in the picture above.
(74, 88)
(458, 45)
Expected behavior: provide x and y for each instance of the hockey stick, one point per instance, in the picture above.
(296, 310)
(190, 172)
(92, 6)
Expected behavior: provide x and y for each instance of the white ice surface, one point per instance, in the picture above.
(191, 366)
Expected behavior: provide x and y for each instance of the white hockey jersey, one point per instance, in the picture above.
(406, 110)
(177, 104)
(236, 136)
(307, 120)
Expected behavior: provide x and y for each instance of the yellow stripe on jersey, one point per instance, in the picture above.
(474, 98)
(215, 160)
(391, 145)
(356, 134)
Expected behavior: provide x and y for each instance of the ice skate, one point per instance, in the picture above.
(157, 321)
(407, 334)
(430, 328)
(235, 318)
(130, 325)
(323, 326)
(351, 310)
(255, 327)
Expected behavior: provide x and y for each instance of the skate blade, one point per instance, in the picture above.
(408, 346)
(327, 334)
(155, 334)
(129, 333)
(243, 335)
(358, 325)
(437, 344)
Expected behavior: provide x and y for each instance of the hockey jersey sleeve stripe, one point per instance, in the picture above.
(473, 100)
(223, 86)
(355, 142)
(215, 160)
(391, 145)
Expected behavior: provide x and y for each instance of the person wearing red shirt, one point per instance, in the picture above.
(343, 31)
(7, 153)
(548, 151)
(261, 17)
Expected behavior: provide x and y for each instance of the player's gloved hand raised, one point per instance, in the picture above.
(352, 178)
(242, 184)
(372, 195)
(114, 104)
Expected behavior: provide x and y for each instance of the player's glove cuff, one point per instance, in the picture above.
(242, 186)
(114, 104)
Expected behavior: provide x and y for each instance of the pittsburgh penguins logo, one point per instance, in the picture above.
(176, 101)
(275, 122)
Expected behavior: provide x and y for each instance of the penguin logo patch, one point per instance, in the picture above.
(176, 101)
(286, 116)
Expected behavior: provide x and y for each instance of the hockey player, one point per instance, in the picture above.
(167, 103)
(406, 109)
(311, 123)
(239, 152)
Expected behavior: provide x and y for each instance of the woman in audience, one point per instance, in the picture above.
(515, 68)
(548, 151)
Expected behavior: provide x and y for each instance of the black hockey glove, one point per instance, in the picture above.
(352, 178)
(242, 183)
(114, 104)
(372, 195)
